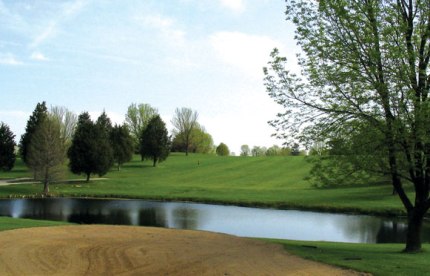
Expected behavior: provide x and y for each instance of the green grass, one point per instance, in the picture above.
(276, 182)
(7, 223)
(378, 259)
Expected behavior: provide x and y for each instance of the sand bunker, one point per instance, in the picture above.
(114, 250)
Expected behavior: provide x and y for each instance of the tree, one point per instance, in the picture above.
(47, 153)
(185, 121)
(295, 149)
(90, 152)
(365, 64)
(7, 148)
(39, 114)
(201, 141)
(155, 142)
(122, 144)
(67, 121)
(137, 119)
(244, 150)
(222, 150)
(104, 123)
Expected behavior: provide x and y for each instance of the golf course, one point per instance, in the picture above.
(275, 182)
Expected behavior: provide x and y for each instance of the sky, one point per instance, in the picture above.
(96, 55)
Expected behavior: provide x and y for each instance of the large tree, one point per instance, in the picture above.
(39, 114)
(47, 152)
(122, 144)
(185, 121)
(365, 65)
(155, 141)
(137, 118)
(91, 151)
(7, 148)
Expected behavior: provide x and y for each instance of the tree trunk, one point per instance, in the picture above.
(45, 187)
(88, 177)
(119, 167)
(413, 236)
(155, 161)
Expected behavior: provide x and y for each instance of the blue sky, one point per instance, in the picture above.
(95, 55)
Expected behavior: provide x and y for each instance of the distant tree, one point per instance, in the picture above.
(185, 121)
(7, 148)
(39, 114)
(274, 151)
(222, 150)
(155, 142)
(122, 144)
(137, 119)
(67, 121)
(90, 152)
(245, 150)
(47, 152)
(201, 141)
(295, 149)
(258, 151)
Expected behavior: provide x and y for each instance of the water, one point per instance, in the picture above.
(239, 221)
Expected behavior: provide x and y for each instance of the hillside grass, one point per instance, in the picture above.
(377, 259)
(276, 182)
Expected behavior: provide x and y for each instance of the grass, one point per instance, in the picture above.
(378, 259)
(7, 223)
(276, 182)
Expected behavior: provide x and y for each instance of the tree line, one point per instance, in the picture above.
(56, 136)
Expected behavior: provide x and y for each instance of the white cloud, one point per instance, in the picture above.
(38, 56)
(234, 5)
(248, 53)
(66, 12)
(49, 31)
(9, 59)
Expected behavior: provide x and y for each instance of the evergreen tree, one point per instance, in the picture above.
(7, 148)
(90, 152)
(154, 141)
(122, 144)
(39, 114)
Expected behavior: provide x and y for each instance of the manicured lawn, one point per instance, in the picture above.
(259, 181)
(7, 223)
(378, 259)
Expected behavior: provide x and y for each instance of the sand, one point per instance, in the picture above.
(126, 250)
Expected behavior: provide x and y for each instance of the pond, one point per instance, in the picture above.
(239, 221)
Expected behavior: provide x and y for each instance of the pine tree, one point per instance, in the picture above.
(90, 152)
(7, 148)
(154, 141)
(122, 144)
(39, 114)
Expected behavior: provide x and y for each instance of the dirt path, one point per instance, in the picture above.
(114, 250)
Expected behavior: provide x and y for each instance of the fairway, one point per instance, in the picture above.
(276, 182)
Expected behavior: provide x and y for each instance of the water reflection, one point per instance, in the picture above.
(240, 221)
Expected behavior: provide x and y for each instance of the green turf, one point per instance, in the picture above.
(7, 223)
(260, 181)
(378, 259)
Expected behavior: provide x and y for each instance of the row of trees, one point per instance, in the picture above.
(274, 150)
(93, 147)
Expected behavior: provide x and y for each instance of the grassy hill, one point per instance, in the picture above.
(259, 181)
